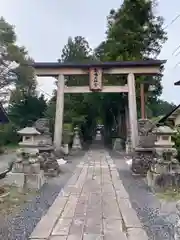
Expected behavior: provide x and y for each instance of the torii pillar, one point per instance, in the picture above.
(133, 124)
(58, 129)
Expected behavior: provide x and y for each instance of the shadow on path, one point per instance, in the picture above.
(157, 220)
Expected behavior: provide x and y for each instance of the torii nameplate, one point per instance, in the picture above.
(95, 79)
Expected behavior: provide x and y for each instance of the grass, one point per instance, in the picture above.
(169, 195)
(12, 202)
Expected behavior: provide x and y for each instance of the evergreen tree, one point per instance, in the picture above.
(27, 110)
(134, 32)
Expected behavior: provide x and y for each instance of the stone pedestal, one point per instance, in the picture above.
(65, 149)
(76, 142)
(98, 136)
(161, 176)
(28, 181)
(141, 160)
(35, 181)
(26, 168)
(26, 173)
(118, 144)
(49, 164)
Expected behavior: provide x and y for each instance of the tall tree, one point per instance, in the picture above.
(27, 110)
(77, 50)
(161, 108)
(77, 106)
(134, 32)
(17, 79)
(7, 65)
(14, 62)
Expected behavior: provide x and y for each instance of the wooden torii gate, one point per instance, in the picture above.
(95, 72)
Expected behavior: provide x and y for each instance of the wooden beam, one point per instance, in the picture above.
(115, 89)
(106, 89)
(135, 70)
(50, 72)
(78, 71)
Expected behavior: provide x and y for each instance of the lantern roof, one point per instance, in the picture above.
(28, 131)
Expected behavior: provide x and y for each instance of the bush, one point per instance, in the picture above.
(8, 134)
(176, 139)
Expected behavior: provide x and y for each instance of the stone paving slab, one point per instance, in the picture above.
(93, 205)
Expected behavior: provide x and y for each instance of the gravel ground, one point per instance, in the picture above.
(157, 217)
(21, 225)
(5, 159)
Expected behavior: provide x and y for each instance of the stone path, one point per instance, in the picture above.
(93, 205)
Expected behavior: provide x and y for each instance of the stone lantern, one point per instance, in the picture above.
(164, 141)
(164, 145)
(26, 172)
(29, 135)
(76, 140)
(165, 166)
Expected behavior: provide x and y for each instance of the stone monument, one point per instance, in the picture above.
(76, 140)
(42, 126)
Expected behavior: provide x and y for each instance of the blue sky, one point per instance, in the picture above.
(43, 27)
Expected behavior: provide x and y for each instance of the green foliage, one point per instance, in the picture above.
(50, 112)
(134, 32)
(8, 133)
(76, 106)
(27, 110)
(68, 127)
(22, 75)
(24, 103)
(176, 139)
(76, 50)
(161, 107)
